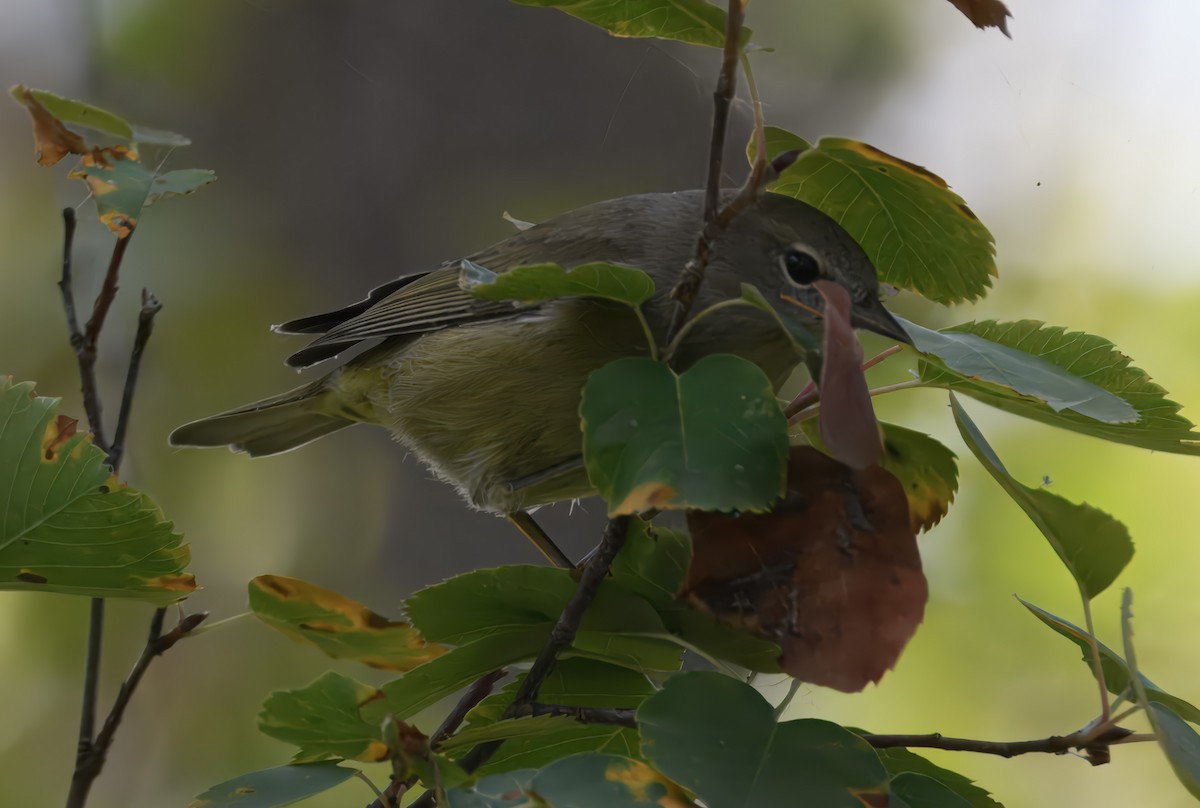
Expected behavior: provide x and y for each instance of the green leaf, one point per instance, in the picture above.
(713, 438)
(78, 113)
(435, 680)
(68, 525)
(919, 234)
(580, 781)
(654, 562)
(1180, 743)
(925, 468)
(899, 760)
(533, 282)
(497, 791)
(1116, 672)
(333, 716)
(535, 742)
(955, 356)
(272, 788)
(339, 627)
(1158, 424)
(751, 760)
(145, 135)
(177, 183)
(692, 21)
(779, 141)
(619, 626)
(1093, 546)
(910, 790)
(119, 183)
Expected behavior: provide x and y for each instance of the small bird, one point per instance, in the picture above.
(487, 393)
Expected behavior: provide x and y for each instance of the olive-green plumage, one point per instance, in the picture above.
(488, 393)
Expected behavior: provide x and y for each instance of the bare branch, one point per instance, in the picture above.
(150, 308)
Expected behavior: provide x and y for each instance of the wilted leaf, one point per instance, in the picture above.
(954, 356)
(832, 574)
(177, 183)
(119, 182)
(751, 760)
(334, 716)
(273, 788)
(67, 524)
(713, 437)
(925, 468)
(1156, 423)
(1094, 546)
(580, 781)
(339, 627)
(919, 234)
(984, 13)
(849, 431)
(1180, 743)
(692, 21)
(52, 140)
(1116, 672)
(533, 282)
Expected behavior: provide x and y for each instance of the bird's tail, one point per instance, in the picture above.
(273, 425)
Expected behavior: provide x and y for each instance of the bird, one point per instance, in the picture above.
(487, 393)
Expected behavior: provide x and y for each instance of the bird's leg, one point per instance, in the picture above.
(530, 529)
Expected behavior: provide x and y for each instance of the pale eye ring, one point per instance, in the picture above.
(800, 266)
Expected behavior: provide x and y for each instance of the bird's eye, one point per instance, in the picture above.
(800, 266)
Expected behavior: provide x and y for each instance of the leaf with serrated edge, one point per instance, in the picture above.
(1116, 672)
(339, 627)
(68, 526)
(962, 356)
(925, 468)
(1092, 545)
(333, 715)
(1157, 423)
(918, 233)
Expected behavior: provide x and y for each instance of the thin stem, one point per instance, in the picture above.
(91, 679)
(687, 327)
(793, 689)
(150, 308)
(380, 798)
(882, 355)
(650, 344)
(222, 623)
(1054, 745)
(812, 410)
(108, 293)
(1094, 648)
(714, 220)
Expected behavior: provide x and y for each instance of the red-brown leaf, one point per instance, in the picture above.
(847, 418)
(985, 13)
(832, 574)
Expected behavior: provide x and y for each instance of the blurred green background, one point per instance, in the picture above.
(361, 139)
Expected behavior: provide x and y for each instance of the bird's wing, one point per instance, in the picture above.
(410, 305)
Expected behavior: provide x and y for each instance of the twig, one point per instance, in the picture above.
(1091, 740)
(150, 308)
(86, 358)
(91, 681)
(1087, 740)
(88, 765)
(684, 293)
(108, 293)
(477, 692)
(561, 637)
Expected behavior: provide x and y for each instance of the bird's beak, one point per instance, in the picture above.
(872, 316)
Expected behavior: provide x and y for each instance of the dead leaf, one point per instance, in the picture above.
(847, 417)
(52, 140)
(832, 574)
(58, 432)
(985, 13)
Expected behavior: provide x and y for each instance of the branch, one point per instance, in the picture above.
(150, 309)
(86, 358)
(1092, 742)
(714, 221)
(89, 763)
(477, 692)
(561, 637)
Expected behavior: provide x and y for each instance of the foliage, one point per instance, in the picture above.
(792, 562)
